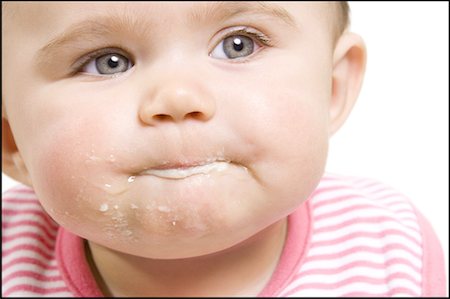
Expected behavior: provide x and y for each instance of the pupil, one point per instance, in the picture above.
(238, 44)
(113, 62)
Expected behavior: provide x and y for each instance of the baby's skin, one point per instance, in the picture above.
(175, 138)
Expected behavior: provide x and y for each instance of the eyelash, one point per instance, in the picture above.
(255, 35)
(250, 33)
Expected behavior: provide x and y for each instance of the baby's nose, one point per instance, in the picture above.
(176, 102)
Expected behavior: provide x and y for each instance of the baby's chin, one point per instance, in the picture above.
(174, 217)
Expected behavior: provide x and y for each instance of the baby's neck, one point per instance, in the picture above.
(243, 270)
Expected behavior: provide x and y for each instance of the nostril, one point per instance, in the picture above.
(195, 115)
(162, 117)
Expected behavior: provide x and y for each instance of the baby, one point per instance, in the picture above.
(178, 149)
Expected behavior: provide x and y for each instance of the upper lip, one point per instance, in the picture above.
(186, 164)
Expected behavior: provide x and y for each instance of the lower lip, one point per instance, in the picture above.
(182, 173)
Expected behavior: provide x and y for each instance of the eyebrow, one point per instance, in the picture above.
(102, 26)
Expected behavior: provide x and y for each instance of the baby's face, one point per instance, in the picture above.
(165, 133)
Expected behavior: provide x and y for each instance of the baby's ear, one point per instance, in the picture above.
(349, 64)
(12, 162)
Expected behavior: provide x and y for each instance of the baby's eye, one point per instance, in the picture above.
(107, 64)
(235, 46)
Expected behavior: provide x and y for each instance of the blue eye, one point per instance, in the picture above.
(235, 46)
(107, 64)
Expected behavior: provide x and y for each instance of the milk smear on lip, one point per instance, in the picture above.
(181, 173)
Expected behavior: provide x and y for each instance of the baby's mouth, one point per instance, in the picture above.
(181, 171)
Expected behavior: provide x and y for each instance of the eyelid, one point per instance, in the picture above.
(246, 31)
(85, 59)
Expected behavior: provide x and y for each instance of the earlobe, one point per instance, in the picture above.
(12, 162)
(349, 63)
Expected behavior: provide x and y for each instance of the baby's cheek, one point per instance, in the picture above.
(64, 172)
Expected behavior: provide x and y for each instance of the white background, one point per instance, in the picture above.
(398, 130)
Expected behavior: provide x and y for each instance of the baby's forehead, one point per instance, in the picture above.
(35, 13)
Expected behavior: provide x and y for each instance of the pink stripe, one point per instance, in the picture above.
(433, 261)
(383, 198)
(367, 264)
(359, 220)
(378, 193)
(390, 293)
(49, 232)
(24, 211)
(353, 195)
(33, 248)
(375, 235)
(18, 189)
(354, 279)
(389, 200)
(353, 208)
(331, 178)
(31, 274)
(50, 222)
(365, 184)
(335, 199)
(29, 260)
(365, 249)
(400, 211)
(21, 201)
(329, 189)
(34, 289)
(47, 223)
(49, 244)
(22, 190)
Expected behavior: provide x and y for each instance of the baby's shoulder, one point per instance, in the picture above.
(28, 244)
(360, 197)
(367, 239)
(24, 218)
(20, 204)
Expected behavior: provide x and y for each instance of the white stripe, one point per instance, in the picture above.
(364, 241)
(369, 184)
(361, 257)
(11, 219)
(360, 271)
(349, 203)
(332, 194)
(23, 253)
(19, 195)
(33, 282)
(365, 228)
(32, 294)
(391, 199)
(400, 206)
(29, 267)
(409, 222)
(60, 294)
(352, 287)
(17, 207)
(381, 191)
(24, 228)
(27, 241)
(44, 249)
(359, 213)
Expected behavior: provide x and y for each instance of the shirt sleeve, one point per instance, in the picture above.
(433, 269)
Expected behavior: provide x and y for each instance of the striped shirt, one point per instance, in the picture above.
(352, 237)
